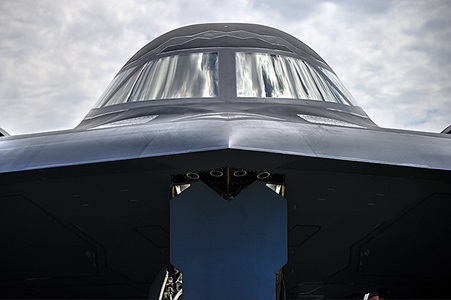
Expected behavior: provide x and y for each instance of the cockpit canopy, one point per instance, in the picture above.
(232, 68)
(196, 75)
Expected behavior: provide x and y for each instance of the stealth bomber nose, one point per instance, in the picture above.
(227, 68)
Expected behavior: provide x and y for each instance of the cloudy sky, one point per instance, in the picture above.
(56, 57)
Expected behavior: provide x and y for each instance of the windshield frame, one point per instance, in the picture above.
(226, 79)
(319, 71)
(133, 73)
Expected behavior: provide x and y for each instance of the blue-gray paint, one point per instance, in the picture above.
(228, 249)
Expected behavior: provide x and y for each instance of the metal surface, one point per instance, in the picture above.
(85, 213)
(229, 249)
(156, 138)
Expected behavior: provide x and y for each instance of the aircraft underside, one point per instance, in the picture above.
(350, 227)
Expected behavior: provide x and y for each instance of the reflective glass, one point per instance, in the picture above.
(181, 76)
(334, 78)
(112, 88)
(265, 75)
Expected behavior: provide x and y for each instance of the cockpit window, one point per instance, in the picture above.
(334, 78)
(195, 75)
(192, 75)
(114, 92)
(263, 75)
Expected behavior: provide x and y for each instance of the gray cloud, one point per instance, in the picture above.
(390, 56)
(56, 57)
